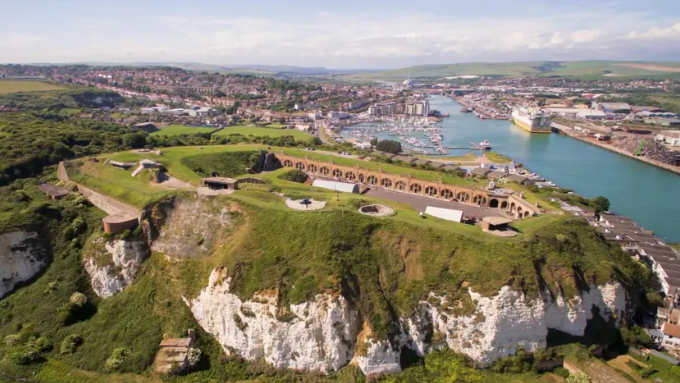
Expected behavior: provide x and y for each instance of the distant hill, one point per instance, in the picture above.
(582, 69)
(255, 69)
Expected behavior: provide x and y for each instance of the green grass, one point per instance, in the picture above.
(118, 183)
(497, 158)
(665, 370)
(10, 86)
(227, 164)
(261, 132)
(177, 130)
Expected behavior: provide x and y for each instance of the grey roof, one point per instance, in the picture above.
(497, 174)
(450, 167)
(517, 178)
(480, 171)
(54, 191)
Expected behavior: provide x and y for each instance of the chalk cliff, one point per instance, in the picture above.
(326, 334)
(22, 256)
(114, 264)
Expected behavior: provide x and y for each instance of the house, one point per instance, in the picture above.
(421, 162)
(481, 172)
(671, 338)
(520, 179)
(449, 168)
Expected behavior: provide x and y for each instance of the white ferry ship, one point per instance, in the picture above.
(531, 120)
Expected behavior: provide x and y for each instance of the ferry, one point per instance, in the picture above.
(485, 145)
(532, 120)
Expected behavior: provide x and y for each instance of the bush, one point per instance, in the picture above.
(295, 176)
(41, 344)
(78, 299)
(521, 362)
(579, 377)
(70, 344)
(116, 359)
(23, 357)
(193, 356)
(12, 340)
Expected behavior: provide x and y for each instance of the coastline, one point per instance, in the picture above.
(567, 132)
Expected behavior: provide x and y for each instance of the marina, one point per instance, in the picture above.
(635, 189)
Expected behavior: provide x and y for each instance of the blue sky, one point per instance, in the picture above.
(338, 34)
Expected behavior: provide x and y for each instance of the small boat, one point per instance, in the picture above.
(466, 110)
(485, 145)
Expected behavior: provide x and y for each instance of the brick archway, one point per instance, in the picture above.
(446, 194)
(386, 182)
(463, 197)
(372, 180)
(300, 166)
(288, 163)
(493, 203)
(400, 185)
(324, 170)
(337, 173)
(431, 191)
(312, 168)
(350, 176)
(416, 188)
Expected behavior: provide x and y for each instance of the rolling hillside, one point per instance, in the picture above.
(590, 69)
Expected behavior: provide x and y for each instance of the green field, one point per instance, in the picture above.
(261, 132)
(582, 69)
(10, 86)
(177, 130)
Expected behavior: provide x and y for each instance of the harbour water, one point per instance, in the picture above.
(647, 194)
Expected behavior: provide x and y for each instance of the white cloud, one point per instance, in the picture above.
(658, 33)
(350, 40)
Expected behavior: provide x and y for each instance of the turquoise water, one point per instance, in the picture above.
(643, 192)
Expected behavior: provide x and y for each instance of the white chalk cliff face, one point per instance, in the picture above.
(318, 336)
(324, 334)
(114, 277)
(21, 258)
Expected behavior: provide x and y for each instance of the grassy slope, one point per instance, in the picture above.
(9, 86)
(118, 183)
(260, 132)
(516, 69)
(176, 130)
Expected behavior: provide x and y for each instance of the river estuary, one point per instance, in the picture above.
(643, 192)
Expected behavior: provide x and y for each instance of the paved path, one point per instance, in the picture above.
(420, 203)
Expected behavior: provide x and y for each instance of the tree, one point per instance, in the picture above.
(389, 146)
(600, 204)
(374, 141)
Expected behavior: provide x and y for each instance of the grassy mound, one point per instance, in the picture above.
(228, 164)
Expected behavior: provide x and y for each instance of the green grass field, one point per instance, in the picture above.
(176, 130)
(10, 86)
(261, 132)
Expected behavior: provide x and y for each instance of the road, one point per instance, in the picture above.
(420, 203)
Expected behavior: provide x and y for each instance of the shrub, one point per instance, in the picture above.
(295, 176)
(23, 357)
(578, 377)
(12, 340)
(117, 358)
(41, 344)
(70, 344)
(78, 299)
(193, 356)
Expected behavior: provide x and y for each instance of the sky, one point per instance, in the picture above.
(347, 34)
